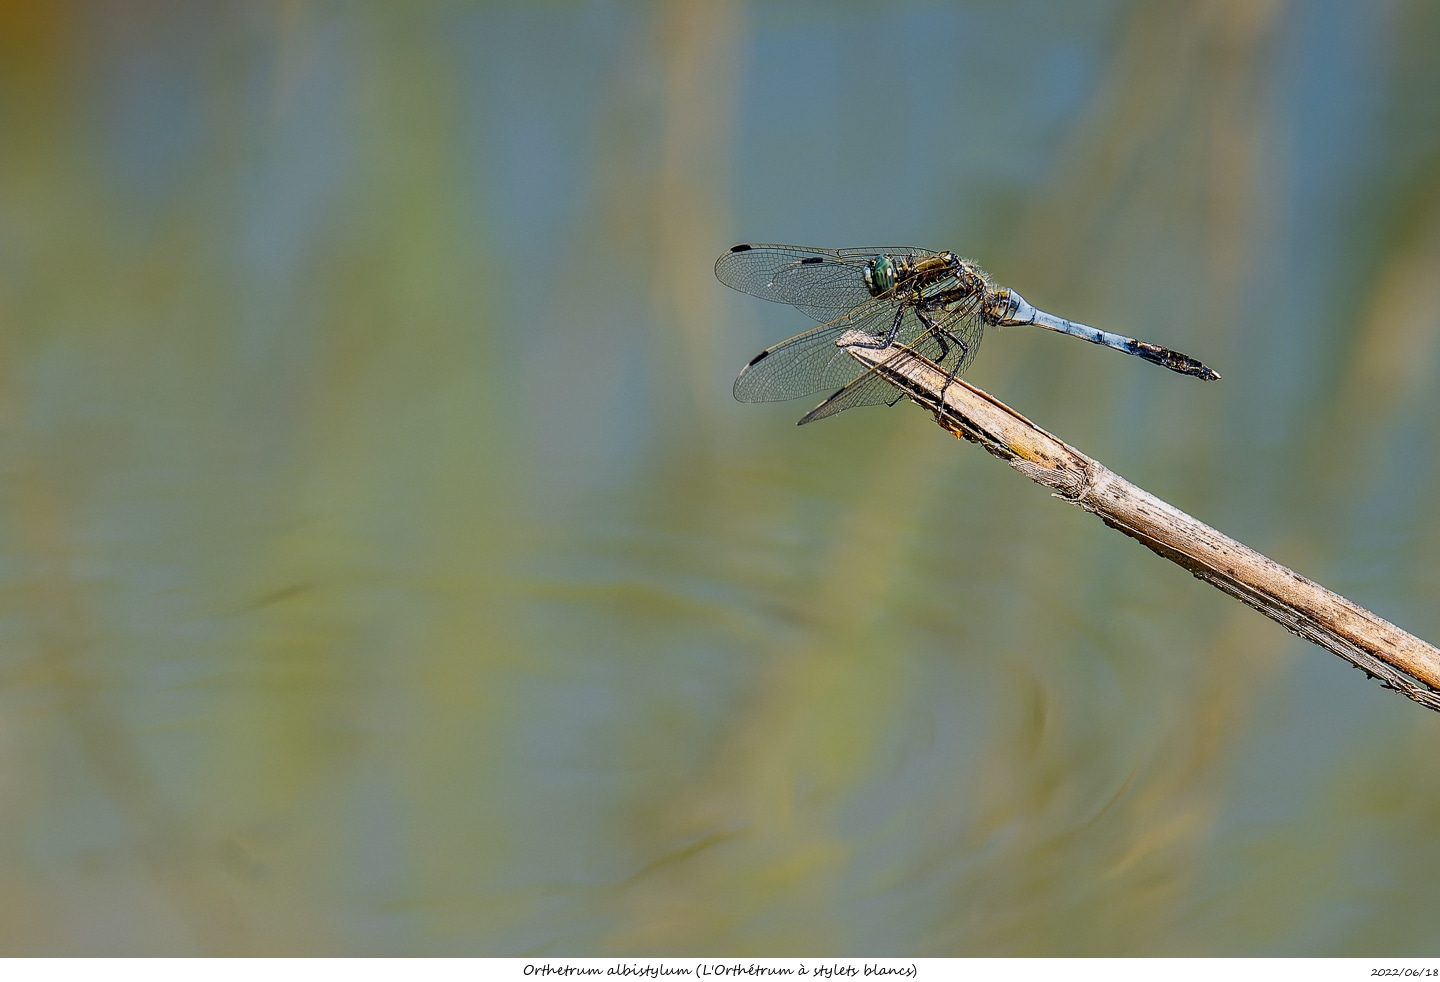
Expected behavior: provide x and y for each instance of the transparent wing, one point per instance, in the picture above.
(820, 283)
(950, 342)
(810, 361)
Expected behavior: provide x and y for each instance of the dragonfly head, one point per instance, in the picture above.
(880, 275)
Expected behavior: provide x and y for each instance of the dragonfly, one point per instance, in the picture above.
(934, 304)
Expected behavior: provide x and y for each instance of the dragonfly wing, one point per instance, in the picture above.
(811, 361)
(820, 283)
(950, 343)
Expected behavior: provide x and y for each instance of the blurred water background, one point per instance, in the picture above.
(387, 569)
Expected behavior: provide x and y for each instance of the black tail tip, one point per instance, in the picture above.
(1175, 361)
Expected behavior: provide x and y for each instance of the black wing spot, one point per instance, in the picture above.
(812, 259)
(741, 248)
(760, 357)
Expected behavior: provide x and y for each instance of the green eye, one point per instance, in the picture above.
(880, 275)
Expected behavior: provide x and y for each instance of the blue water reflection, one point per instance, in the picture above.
(387, 569)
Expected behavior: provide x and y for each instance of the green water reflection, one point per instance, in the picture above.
(388, 571)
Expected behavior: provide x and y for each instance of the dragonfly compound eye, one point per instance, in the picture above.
(880, 275)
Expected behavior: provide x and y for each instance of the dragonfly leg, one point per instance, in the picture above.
(940, 334)
(890, 334)
(875, 342)
(954, 372)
